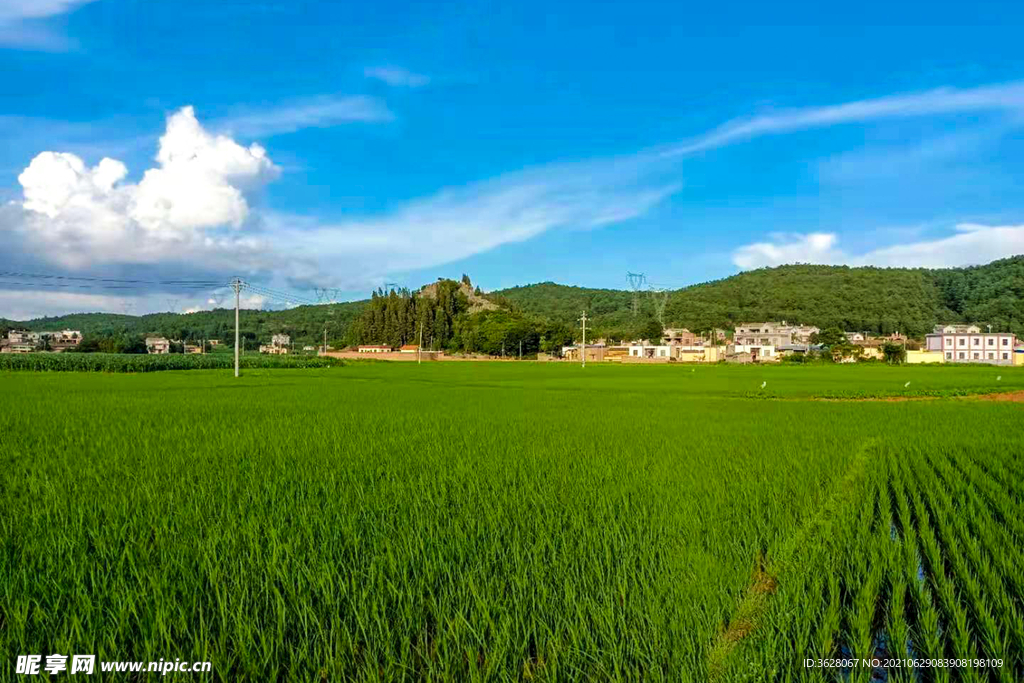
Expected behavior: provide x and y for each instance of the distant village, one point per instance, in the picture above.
(767, 342)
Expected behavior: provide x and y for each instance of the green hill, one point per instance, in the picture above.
(883, 300)
(304, 323)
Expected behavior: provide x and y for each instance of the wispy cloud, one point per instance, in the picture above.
(970, 244)
(194, 209)
(458, 223)
(1008, 96)
(316, 112)
(396, 76)
(20, 23)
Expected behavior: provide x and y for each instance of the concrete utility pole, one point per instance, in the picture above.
(583, 346)
(419, 349)
(520, 349)
(236, 285)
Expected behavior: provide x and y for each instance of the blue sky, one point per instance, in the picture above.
(344, 145)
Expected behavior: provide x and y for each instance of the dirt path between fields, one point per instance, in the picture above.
(1012, 396)
(768, 571)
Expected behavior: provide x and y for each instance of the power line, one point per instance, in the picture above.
(119, 281)
(636, 283)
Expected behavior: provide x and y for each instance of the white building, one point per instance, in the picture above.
(756, 350)
(642, 351)
(157, 345)
(968, 344)
(23, 337)
(374, 348)
(773, 334)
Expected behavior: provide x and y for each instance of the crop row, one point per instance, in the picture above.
(113, 362)
(921, 559)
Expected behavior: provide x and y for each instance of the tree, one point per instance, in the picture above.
(830, 337)
(652, 331)
(555, 336)
(894, 354)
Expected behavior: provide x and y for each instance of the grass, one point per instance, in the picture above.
(505, 521)
(118, 362)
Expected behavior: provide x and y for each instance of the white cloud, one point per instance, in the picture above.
(20, 23)
(188, 207)
(193, 209)
(971, 244)
(317, 112)
(396, 76)
(12, 10)
(1008, 96)
(816, 247)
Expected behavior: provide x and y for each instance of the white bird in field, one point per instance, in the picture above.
(906, 385)
(764, 384)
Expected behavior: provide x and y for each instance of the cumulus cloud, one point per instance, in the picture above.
(971, 244)
(193, 211)
(396, 76)
(190, 205)
(816, 247)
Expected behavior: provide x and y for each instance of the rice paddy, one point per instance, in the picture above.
(518, 522)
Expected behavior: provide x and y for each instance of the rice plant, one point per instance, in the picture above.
(512, 522)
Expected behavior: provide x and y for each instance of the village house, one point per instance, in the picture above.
(660, 351)
(157, 345)
(773, 334)
(278, 345)
(63, 340)
(374, 348)
(678, 336)
(22, 337)
(409, 348)
(968, 344)
(595, 353)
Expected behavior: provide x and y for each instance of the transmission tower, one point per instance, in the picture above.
(636, 284)
(660, 297)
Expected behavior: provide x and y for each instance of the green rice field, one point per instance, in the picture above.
(518, 522)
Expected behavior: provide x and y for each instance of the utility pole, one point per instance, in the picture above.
(325, 340)
(520, 349)
(236, 285)
(583, 346)
(419, 349)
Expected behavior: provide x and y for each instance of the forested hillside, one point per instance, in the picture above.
(303, 323)
(545, 315)
(870, 299)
